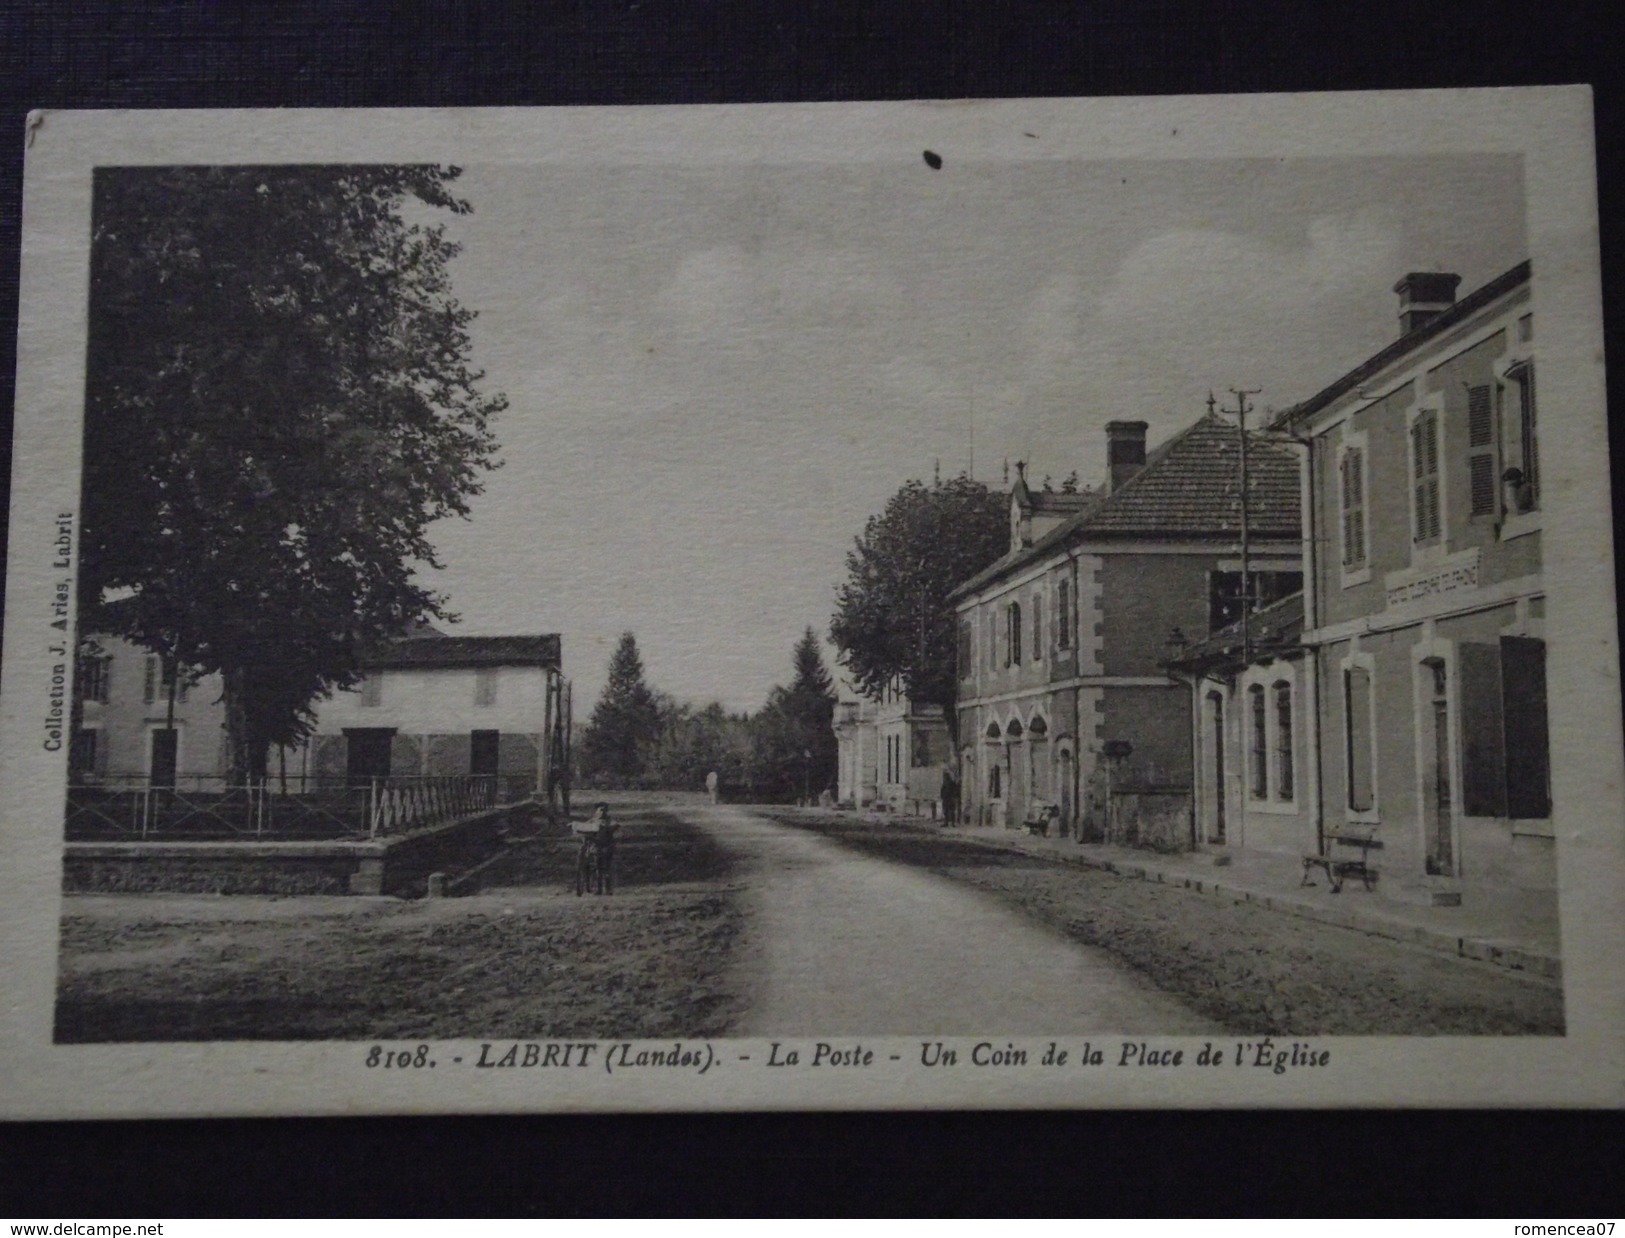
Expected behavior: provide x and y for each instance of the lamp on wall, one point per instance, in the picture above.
(1176, 644)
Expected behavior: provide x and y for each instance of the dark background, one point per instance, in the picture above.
(362, 53)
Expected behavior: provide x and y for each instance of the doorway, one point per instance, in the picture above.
(1438, 798)
(1216, 787)
(483, 750)
(161, 767)
(367, 751)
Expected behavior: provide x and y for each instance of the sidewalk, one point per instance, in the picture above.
(1516, 929)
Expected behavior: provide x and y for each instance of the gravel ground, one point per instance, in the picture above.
(1247, 967)
(522, 957)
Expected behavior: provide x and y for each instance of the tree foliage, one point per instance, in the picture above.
(893, 620)
(625, 724)
(795, 740)
(279, 402)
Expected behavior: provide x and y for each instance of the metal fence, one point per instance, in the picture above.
(205, 808)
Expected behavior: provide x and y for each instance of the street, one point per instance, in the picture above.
(845, 943)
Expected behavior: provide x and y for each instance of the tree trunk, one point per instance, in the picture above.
(247, 754)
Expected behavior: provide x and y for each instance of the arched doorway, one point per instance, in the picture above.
(1215, 764)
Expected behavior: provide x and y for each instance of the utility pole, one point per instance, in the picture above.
(1246, 566)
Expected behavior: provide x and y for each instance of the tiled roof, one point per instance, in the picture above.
(1273, 629)
(444, 652)
(1464, 308)
(1190, 487)
(1188, 490)
(1060, 501)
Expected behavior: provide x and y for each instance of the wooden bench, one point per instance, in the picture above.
(1039, 817)
(1339, 867)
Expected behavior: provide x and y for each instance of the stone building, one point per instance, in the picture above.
(1062, 640)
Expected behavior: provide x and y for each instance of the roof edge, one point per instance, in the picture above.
(1405, 344)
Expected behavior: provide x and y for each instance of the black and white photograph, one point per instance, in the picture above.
(1046, 602)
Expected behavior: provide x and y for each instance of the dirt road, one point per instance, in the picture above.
(843, 943)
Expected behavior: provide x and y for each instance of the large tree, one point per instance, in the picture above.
(795, 739)
(625, 724)
(893, 621)
(279, 402)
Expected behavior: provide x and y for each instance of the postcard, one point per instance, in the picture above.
(1015, 603)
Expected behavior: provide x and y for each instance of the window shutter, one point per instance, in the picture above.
(1523, 701)
(1353, 507)
(1425, 454)
(1483, 749)
(1038, 628)
(1482, 482)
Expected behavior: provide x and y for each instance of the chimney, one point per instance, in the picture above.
(1423, 296)
(1125, 451)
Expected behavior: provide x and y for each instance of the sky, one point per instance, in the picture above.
(716, 374)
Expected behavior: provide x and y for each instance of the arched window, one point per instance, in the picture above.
(1063, 615)
(1013, 731)
(993, 730)
(1038, 728)
(1284, 786)
(1013, 647)
(1257, 753)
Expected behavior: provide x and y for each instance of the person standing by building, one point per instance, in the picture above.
(950, 796)
(711, 785)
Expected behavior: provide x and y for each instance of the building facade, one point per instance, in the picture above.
(1252, 739)
(1062, 642)
(1424, 602)
(428, 704)
(891, 752)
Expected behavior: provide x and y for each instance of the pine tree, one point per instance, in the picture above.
(795, 739)
(625, 724)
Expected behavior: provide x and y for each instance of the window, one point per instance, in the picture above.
(1258, 770)
(1357, 738)
(82, 754)
(919, 752)
(1284, 787)
(1353, 491)
(1520, 444)
(1425, 477)
(1481, 481)
(372, 689)
(1038, 628)
(94, 676)
(1224, 593)
(1012, 650)
(485, 687)
(1063, 615)
(160, 681)
(992, 641)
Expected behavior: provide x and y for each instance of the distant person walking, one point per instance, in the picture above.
(711, 781)
(950, 797)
